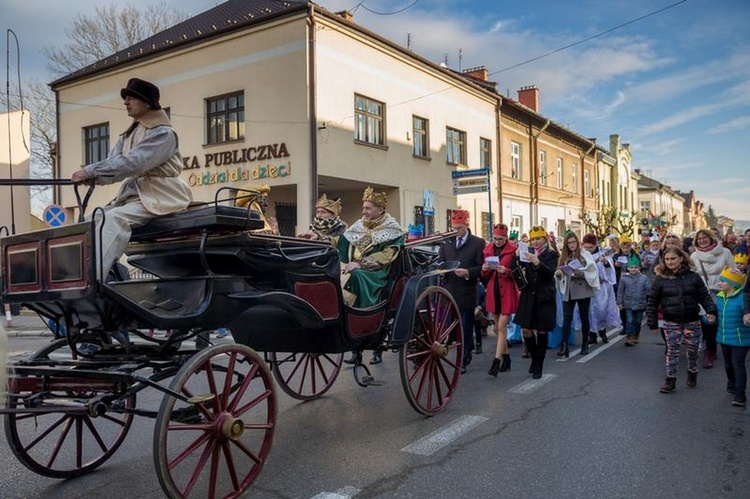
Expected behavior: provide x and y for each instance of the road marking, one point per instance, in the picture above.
(343, 493)
(440, 438)
(530, 385)
(613, 337)
(597, 351)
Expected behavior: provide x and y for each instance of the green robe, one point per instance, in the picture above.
(368, 284)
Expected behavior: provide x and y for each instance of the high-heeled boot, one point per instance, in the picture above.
(584, 343)
(542, 341)
(494, 368)
(603, 335)
(563, 350)
(505, 364)
(530, 343)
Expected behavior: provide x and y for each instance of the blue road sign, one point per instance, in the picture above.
(470, 173)
(54, 215)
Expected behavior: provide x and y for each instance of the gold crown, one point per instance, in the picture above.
(537, 232)
(332, 205)
(741, 258)
(250, 193)
(378, 198)
(733, 277)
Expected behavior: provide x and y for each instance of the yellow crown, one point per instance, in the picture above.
(741, 258)
(733, 277)
(332, 205)
(537, 232)
(378, 198)
(250, 193)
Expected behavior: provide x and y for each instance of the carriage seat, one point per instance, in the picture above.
(213, 217)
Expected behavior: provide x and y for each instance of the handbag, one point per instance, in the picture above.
(519, 275)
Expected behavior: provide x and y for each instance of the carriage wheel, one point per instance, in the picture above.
(306, 376)
(431, 361)
(60, 445)
(215, 444)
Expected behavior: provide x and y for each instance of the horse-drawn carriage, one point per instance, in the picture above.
(71, 404)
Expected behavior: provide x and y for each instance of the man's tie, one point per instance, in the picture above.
(459, 242)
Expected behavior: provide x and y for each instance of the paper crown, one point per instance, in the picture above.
(332, 205)
(251, 193)
(378, 198)
(513, 234)
(741, 258)
(624, 239)
(500, 230)
(633, 261)
(537, 232)
(733, 277)
(459, 217)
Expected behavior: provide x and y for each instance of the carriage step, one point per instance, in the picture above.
(371, 381)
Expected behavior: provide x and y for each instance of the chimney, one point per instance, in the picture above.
(345, 15)
(479, 72)
(529, 97)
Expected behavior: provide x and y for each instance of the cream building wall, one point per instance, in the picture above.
(15, 156)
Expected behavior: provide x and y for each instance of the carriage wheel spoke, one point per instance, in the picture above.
(59, 443)
(95, 434)
(189, 450)
(46, 432)
(260, 398)
(243, 387)
(199, 467)
(228, 380)
(231, 468)
(215, 401)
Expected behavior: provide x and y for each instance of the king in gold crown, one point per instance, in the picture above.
(332, 205)
(378, 198)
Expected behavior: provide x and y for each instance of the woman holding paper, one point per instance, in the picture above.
(533, 270)
(577, 279)
(501, 299)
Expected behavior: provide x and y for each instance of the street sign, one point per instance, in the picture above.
(470, 173)
(54, 215)
(468, 182)
(472, 189)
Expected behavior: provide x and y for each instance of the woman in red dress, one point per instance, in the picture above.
(502, 294)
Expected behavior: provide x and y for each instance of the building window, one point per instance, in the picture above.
(420, 131)
(543, 222)
(369, 117)
(485, 153)
(574, 176)
(515, 160)
(559, 173)
(516, 221)
(455, 146)
(645, 206)
(543, 167)
(225, 118)
(587, 184)
(96, 142)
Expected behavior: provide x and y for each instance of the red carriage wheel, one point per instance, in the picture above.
(215, 444)
(431, 360)
(60, 445)
(305, 376)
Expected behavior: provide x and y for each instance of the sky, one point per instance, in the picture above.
(674, 84)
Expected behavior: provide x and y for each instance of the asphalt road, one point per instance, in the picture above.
(592, 427)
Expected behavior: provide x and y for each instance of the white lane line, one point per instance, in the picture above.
(531, 385)
(440, 438)
(597, 351)
(343, 493)
(613, 333)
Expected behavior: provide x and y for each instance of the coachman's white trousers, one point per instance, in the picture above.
(115, 235)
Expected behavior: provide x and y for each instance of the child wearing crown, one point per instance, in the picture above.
(733, 334)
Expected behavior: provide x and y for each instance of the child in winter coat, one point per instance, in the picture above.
(733, 335)
(631, 297)
(680, 292)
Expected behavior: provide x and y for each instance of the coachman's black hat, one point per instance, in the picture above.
(143, 90)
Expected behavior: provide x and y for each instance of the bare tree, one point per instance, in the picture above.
(109, 30)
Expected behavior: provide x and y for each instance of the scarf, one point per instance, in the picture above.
(326, 226)
(364, 234)
(541, 249)
(708, 248)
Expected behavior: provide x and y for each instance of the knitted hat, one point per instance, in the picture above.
(589, 239)
(741, 258)
(459, 217)
(733, 277)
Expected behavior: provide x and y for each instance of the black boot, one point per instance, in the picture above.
(592, 339)
(584, 343)
(505, 364)
(530, 344)
(494, 368)
(563, 351)
(603, 336)
(541, 352)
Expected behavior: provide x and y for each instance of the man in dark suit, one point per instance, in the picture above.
(462, 282)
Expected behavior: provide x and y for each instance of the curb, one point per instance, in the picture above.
(14, 333)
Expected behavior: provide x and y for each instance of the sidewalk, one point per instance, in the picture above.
(26, 324)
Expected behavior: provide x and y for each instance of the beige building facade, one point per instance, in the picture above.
(15, 158)
(301, 99)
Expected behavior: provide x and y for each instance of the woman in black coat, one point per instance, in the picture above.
(537, 305)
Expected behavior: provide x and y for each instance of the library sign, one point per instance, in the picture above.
(235, 166)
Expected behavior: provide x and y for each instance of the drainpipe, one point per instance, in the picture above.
(312, 103)
(583, 169)
(499, 183)
(534, 198)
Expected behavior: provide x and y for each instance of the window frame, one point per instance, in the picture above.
(213, 131)
(543, 167)
(588, 192)
(424, 137)
(515, 160)
(100, 140)
(365, 118)
(485, 153)
(559, 173)
(455, 145)
(574, 177)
